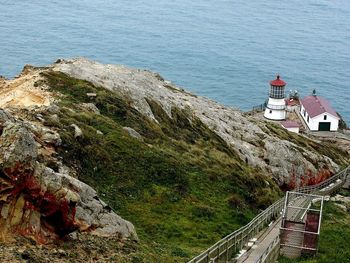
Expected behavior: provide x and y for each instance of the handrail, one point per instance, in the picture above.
(229, 245)
(268, 251)
(226, 248)
(275, 107)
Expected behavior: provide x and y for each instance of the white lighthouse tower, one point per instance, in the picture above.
(276, 106)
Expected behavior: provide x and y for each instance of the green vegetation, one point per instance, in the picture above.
(182, 186)
(334, 239)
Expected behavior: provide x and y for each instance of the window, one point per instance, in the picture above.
(304, 113)
(277, 92)
(308, 118)
(325, 117)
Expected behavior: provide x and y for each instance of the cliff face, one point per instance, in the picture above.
(39, 198)
(259, 143)
(184, 169)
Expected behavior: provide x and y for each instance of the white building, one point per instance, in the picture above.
(276, 105)
(318, 114)
(291, 126)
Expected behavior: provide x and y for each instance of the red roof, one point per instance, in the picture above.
(278, 82)
(292, 102)
(316, 105)
(290, 124)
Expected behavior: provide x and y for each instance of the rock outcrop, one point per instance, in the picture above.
(247, 135)
(38, 202)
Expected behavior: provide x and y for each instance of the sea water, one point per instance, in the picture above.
(227, 50)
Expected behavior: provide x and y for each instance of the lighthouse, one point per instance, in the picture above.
(276, 105)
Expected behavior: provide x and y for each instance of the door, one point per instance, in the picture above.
(324, 126)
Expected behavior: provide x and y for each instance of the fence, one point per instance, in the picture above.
(226, 249)
(327, 186)
(260, 107)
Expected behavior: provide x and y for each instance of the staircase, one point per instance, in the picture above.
(226, 248)
(294, 239)
(296, 214)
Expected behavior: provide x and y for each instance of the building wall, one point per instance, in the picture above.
(313, 123)
(277, 102)
(274, 114)
(296, 130)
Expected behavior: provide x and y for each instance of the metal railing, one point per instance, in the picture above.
(327, 186)
(226, 249)
(271, 253)
(260, 107)
(322, 188)
(276, 107)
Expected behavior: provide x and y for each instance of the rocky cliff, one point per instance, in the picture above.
(253, 139)
(184, 169)
(39, 197)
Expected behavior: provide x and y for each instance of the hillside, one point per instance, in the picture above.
(183, 169)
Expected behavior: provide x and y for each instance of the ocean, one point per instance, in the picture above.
(226, 50)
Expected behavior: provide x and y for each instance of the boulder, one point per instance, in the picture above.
(90, 107)
(77, 131)
(133, 133)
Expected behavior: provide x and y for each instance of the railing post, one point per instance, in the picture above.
(226, 251)
(241, 243)
(218, 253)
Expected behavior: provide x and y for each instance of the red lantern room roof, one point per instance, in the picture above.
(278, 82)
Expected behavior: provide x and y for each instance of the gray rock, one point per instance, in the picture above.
(108, 223)
(90, 107)
(93, 212)
(77, 131)
(5, 116)
(53, 108)
(133, 133)
(17, 147)
(40, 117)
(51, 137)
(342, 207)
(73, 236)
(343, 199)
(54, 118)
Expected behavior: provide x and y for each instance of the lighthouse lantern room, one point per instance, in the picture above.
(276, 105)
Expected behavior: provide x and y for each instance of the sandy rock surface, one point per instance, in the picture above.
(22, 91)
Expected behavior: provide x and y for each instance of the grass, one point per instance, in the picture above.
(182, 187)
(334, 238)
